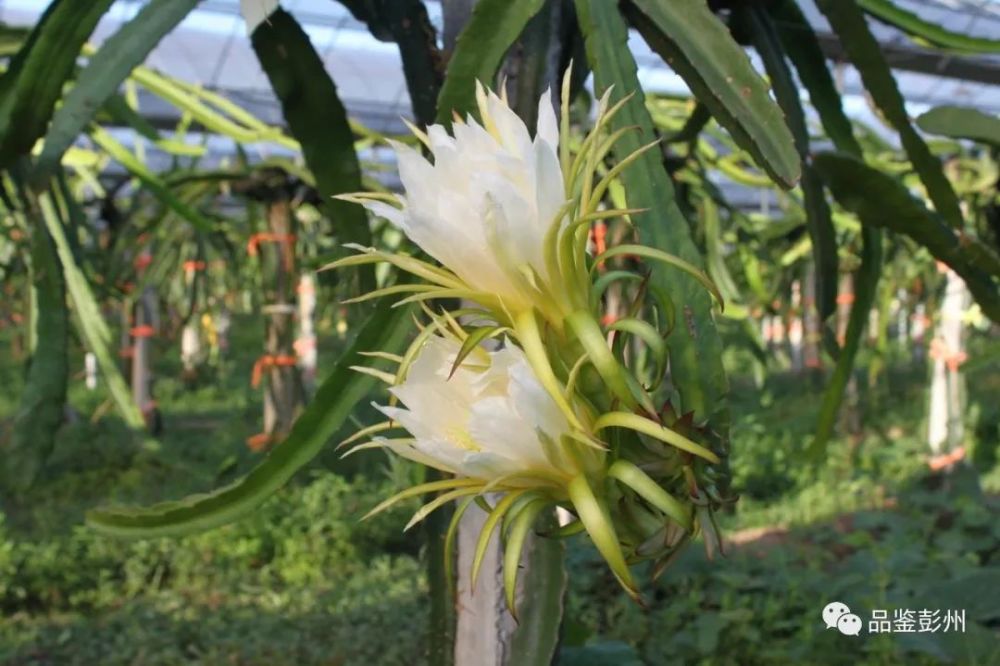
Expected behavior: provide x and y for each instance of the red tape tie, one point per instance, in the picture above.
(267, 362)
(941, 352)
(143, 261)
(938, 463)
(260, 441)
(253, 244)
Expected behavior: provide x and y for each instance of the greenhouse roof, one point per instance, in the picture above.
(211, 47)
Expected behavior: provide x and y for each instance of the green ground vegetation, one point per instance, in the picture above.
(304, 582)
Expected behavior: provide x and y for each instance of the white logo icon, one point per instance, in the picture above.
(849, 624)
(838, 616)
(832, 613)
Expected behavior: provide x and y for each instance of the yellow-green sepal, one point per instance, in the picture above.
(449, 543)
(666, 258)
(502, 507)
(438, 502)
(656, 430)
(417, 267)
(602, 283)
(565, 531)
(633, 477)
(515, 543)
(602, 532)
(588, 333)
(472, 342)
(526, 328)
(433, 486)
(649, 335)
(367, 432)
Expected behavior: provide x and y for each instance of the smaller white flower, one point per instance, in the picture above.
(491, 419)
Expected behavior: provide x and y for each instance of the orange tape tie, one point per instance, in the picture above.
(142, 261)
(267, 237)
(937, 463)
(600, 236)
(941, 352)
(142, 331)
(260, 441)
(267, 362)
(608, 319)
(305, 288)
(270, 237)
(192, 266)
(845, 299)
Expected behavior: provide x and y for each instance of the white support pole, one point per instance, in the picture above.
(796, 332)
(945, 427)
(918, 329)
(191, 352)
(305, 344)
(90, 368)
(898, 309)
(484, 627)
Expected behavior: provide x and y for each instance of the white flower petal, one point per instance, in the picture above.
(439, 139)
(387, 211)
(256, 12)
(417, 426)
(548, 125)
(415, 171)
(485, 202)
(497, 428)
(481, 423)
(550, 191)
(533, 403)
(512, 130)
(441, 459)
(490, 466)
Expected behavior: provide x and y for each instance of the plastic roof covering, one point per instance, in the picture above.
(211, 47)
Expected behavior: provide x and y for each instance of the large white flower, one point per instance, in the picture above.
(491, 419)
(484, 205)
